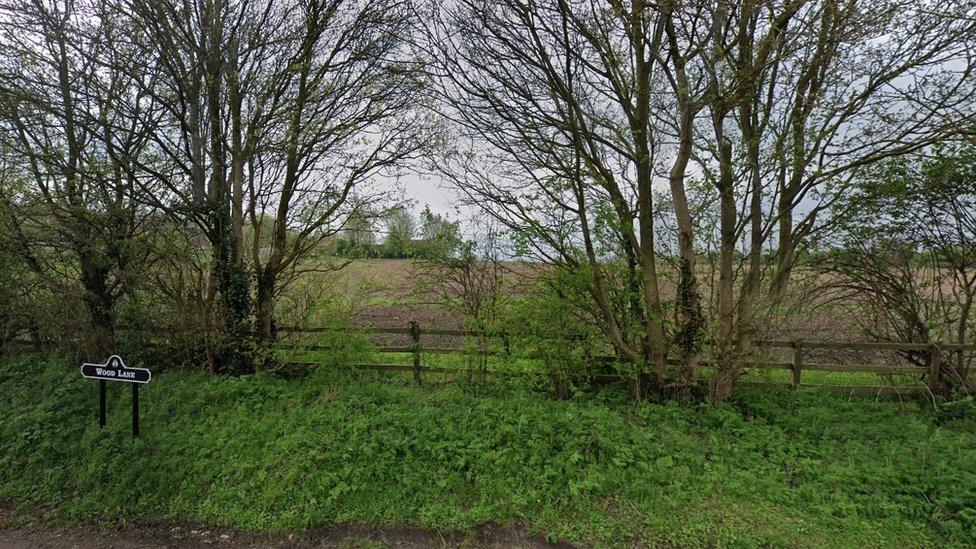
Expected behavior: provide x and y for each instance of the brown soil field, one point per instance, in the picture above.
(391, 293)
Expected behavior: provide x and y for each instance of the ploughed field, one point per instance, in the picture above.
(389, 293)
(385, 293)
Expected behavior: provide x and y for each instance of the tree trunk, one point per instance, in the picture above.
(726, 363)
(101, 307)
(233, 284)
(784, 252)
(265, 306)
(654, 342)
(750, 285)
(961, 334)
(236, 154)
(690, 319)
(727, 226)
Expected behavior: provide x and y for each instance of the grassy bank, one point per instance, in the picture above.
(264, 453)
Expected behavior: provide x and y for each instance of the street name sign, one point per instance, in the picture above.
(116, 370)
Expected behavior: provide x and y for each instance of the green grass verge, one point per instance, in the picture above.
(265, 453)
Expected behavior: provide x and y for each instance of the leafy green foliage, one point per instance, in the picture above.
(961, 411)
(907, 258)
(14, 280)
(546, 330)
(400, 228)
(265, 453)
(440, 237)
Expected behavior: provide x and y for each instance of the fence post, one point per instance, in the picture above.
(797, 362)
(415, 335)
(934, 367)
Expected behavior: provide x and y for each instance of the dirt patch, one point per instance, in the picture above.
(18, 534)
(400, 316)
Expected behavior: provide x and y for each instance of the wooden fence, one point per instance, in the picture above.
(798, 350)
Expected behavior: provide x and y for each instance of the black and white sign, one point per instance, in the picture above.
(116, 370)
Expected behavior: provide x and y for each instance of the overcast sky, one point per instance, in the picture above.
(431, 190)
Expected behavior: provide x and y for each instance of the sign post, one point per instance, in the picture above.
(101, 403)
(116, 370)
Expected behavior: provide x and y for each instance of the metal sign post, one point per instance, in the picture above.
(116, 370)
(101, 403)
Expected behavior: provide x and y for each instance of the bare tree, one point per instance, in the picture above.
(277, 111)
(815, 90)
(689, 88)
(555, 99)
(866, 84)
(909, 265)
(68, 82)
(205, 52)
(352, 111)
(566, 111)
(468, 277)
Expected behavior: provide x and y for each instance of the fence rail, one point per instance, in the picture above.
(797, 364)
(765, 343)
